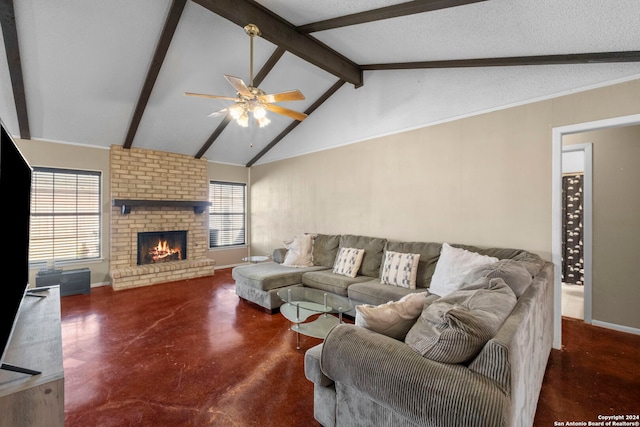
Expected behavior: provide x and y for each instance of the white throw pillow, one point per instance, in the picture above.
(393, 319)
(299, 251)
(348, 261)
(452, 268)
(400, 269)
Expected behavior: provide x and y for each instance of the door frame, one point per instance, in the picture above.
(556, 206)
(587, 223)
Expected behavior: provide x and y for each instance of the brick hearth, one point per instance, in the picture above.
(140, 174)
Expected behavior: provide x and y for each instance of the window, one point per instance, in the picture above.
(226, 214)
(65, 215)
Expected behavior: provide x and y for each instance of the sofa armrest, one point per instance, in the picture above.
(426, 392)
(312, 369)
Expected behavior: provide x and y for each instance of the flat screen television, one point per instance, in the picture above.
(15, 193)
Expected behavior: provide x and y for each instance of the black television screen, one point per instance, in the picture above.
(15, 193)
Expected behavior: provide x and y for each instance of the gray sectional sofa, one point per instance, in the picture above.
(259, 283)
(364, 378)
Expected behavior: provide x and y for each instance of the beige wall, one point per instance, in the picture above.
(440, 183)
(616, 223)
(484, 180)
(48, 154)
(229, 173)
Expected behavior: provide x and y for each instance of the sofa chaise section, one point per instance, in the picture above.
(259, 283)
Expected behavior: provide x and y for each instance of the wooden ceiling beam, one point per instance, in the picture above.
(169, 29)
(282, 33)
(388, 12)
(257, 80)
(333, 89)
(10, 35)
(576, 58)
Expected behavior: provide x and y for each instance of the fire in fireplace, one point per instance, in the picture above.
(161, 246)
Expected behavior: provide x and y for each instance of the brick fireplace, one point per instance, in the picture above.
(157, 192)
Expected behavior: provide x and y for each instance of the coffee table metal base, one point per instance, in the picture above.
(318, 328)
(302, 303)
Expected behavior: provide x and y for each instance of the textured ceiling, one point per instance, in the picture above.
(84, 64)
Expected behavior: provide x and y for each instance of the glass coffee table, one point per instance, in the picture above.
(302, 303)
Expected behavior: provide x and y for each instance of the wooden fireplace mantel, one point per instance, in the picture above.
(126, 204)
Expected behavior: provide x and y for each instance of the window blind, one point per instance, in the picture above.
(227, 216)
(65, 215)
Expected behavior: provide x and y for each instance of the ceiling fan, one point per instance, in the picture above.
(251, 99)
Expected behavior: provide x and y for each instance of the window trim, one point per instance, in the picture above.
(244, 186)
(99, 213)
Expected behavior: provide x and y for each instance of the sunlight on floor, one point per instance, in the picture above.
(573, 301)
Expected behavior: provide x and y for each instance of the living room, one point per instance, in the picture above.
(484, 179)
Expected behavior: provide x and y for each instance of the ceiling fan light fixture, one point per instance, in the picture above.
(259, 112)
(236, 111)
(243, 120)
(263, 121)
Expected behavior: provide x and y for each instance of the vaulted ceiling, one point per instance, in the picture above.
(102, 73)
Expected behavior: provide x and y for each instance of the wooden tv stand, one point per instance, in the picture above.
(36, 344)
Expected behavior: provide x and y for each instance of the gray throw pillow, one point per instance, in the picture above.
(455, 328)
(513, 272)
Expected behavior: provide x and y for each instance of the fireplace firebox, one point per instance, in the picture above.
(162, 246)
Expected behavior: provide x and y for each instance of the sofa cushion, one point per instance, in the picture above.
(325, 248)
(373, 250)
(512, 272)
(453, 267)
(372, 291)
(329, 281)
(270, 275)
(299, 251)
(400, 269)
(348, 261)
(454, 328)
(394, 318)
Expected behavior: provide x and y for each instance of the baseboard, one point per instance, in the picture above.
(98, 284)
(621, 328)
(220, 267)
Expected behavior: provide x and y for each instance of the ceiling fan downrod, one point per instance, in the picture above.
(252, 30)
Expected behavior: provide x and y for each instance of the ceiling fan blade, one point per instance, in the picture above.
(218, 113)
(239, 85)
(286, 112)
(292, 95)
(204, 95)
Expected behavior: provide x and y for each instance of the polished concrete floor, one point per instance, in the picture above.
(192, 354)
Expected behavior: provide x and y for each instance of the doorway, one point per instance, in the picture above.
(577, 184)
(556, 222)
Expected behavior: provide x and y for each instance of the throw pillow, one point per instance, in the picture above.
(455, 328)
(348, 261)
(299, 251)
(394, 318)
(513, 272)
(400, 269)
(452, 268)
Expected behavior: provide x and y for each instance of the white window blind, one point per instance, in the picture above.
(65, 215)
(227, 215)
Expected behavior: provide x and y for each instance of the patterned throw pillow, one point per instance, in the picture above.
(400, 269)
(348, 261)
